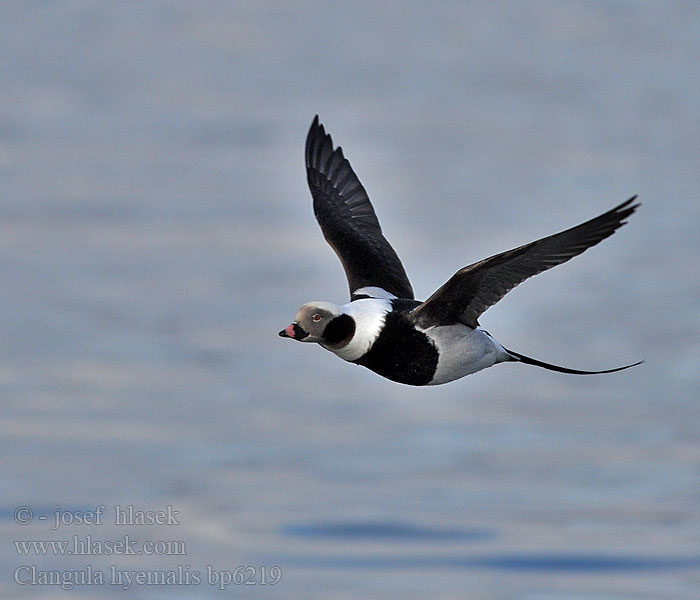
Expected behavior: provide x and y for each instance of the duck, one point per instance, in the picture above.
(383, 327)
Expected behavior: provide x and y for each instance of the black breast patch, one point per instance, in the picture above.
(401, 352)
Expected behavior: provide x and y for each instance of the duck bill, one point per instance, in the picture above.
(294, 332)
(288, 331)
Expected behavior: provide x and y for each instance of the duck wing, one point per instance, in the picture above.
(349, 223)
(473, 289)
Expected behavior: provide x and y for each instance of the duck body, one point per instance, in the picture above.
(383, 328)
(381, 336)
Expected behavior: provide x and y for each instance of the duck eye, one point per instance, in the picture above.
(316, 318)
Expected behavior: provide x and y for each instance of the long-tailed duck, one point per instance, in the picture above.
(383, 327)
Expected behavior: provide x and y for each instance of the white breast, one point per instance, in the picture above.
(369, 315)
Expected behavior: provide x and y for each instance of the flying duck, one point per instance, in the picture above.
(383, 327)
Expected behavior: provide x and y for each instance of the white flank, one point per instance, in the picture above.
(463, 351)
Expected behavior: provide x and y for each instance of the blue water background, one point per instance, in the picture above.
(156, 232)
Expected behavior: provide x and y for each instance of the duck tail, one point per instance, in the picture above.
(516, 356)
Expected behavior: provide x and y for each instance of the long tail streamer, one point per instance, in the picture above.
(538, 363)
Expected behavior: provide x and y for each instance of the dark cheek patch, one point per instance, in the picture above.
(339, 330)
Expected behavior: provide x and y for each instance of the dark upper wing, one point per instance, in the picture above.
(347, 219)
(471, 290)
